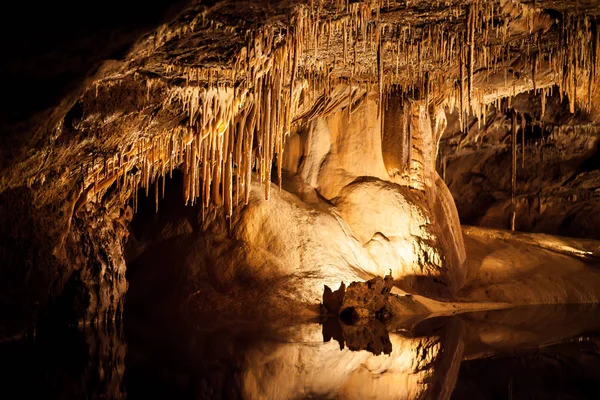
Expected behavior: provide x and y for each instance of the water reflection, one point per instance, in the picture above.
(550, 351)
(64, 364)
(371, 335)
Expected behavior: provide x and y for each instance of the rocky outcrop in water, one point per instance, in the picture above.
(360, 300)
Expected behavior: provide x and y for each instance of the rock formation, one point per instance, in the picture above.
(304, 137)
(360, 300)
(556, 168)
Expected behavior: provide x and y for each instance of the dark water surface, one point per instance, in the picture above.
(523, 353)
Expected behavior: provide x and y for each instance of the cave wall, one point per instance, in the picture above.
(557, 170)
(56, 266)
(60, 267)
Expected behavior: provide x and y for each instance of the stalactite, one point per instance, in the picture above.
(471, 43)
(379, 69)
(461, 117)
(543, 101)
(156, 194)
(513, 175)
(406, 135)
(523, 127)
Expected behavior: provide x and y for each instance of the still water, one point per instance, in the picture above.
(523, 353)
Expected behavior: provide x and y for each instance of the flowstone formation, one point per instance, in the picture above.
(307, 137)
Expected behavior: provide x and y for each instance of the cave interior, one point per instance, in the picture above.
(301, 199)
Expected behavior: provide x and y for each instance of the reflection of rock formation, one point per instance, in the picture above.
(249, 362)
(451, 337)
(370, 335)
(67, 363)
(170, 360)
(306, 367)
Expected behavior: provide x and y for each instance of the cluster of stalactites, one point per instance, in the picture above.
(439, 58)
(568, 59)
(237, 122)
(489, 25)
(576, 60)
(436, 62)
(228, 134)
(238, 117)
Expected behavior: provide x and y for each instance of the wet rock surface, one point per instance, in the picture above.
(367, 299)
(332, 301)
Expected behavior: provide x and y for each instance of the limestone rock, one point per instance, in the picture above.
(360, 299)
(366, 299)
(332, 301)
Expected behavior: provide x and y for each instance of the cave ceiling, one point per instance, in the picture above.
(227, 81)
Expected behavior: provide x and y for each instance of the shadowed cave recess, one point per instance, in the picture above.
(353, 185)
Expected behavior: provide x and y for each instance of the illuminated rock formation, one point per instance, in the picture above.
(307, 136)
